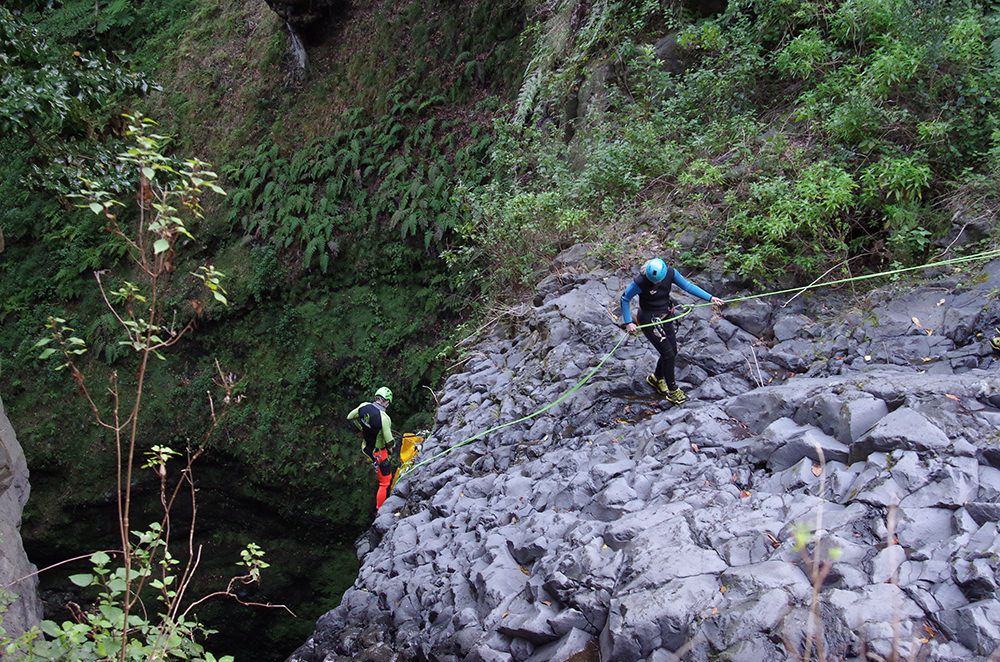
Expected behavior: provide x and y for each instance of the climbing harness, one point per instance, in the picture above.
(687, 310)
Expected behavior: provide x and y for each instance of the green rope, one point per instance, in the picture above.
(573, 389)
(688, 308)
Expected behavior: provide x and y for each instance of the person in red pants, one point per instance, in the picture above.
(376, 439)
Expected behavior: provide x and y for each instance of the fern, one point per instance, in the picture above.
(526, 97)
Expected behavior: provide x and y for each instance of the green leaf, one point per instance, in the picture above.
(148, 172)
(51, 629)
(97, 207)
(42, 342)
(99, 558)
(47, 353)
(160, 245)
(82, 579)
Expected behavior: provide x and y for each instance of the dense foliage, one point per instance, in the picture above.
(335, 284)
(796, 133)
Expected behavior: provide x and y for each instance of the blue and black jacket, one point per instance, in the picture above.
(654, 298)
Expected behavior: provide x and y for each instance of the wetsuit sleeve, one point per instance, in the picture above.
(353, 416)
(690, 287)
(627, 297)
(387, 430)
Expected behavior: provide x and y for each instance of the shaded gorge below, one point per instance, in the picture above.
(312, 561)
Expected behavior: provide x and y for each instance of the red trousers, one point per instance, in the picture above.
(384, 479)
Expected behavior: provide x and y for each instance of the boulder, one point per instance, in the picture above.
(17, 573)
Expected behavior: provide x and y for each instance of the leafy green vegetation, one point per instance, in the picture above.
(399, 173)
(314, 325)
(799, 133)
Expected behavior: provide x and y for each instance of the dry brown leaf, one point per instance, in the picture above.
(941, 302)
(745, 493)
(952, 396)
(694, 447)
(723, 589)
(817, 470)
(916, 322)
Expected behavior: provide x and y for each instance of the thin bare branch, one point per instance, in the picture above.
(60, 563)
(104, 295)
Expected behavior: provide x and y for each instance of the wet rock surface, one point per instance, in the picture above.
(26, 609)
(855, 450)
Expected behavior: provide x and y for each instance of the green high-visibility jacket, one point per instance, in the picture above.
(375, 426)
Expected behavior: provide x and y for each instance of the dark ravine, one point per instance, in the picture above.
(26, 610)
(312, 562)
(615, 528)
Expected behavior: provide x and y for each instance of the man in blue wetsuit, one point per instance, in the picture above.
(652, 284)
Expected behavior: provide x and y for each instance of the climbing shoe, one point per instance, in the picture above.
(995, 343)
(659, 384)
(676, 396)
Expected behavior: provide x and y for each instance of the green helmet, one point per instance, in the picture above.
(384, 393)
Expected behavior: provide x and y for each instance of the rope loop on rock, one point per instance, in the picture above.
(688, 309)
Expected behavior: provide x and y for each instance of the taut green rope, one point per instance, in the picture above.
(984, 255)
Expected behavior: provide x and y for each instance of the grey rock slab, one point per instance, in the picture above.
(956, 484)
(905, 429)
(844, 416)
(877, 603)
(574, 645)
(531, 625)
(792, 442)
(983, 512)
(794, 355)
(752, 316)
(791, 326)
(977, 578)
(886, 564)
(918, 527)
(759, 578)
(976, 626)
(646, 620)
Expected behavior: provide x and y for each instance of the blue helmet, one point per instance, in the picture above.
(655, 270)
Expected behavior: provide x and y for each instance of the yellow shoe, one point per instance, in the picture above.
(659, 384)
(996, 342)
(676, 396)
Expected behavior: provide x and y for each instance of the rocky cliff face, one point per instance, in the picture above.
(614, 527)
(26, 610)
